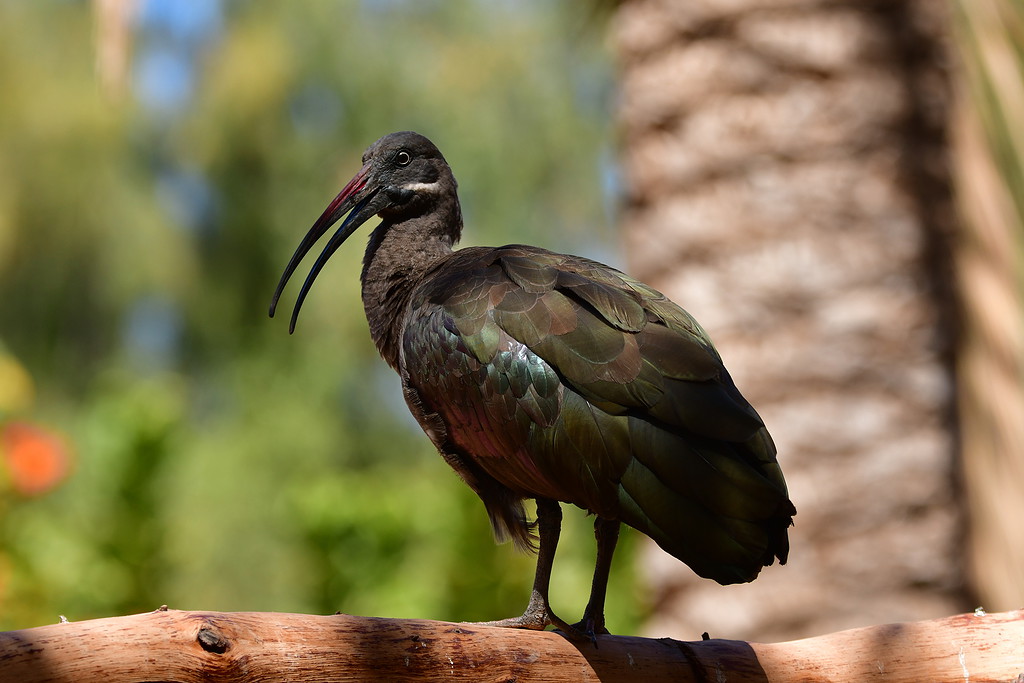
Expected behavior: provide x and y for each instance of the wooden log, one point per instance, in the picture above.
(172, 645)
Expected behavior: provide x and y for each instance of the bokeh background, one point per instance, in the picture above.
(162, 441)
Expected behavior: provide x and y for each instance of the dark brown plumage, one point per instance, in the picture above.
(548, 376)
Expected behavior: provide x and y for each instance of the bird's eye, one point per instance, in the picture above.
(403, 158)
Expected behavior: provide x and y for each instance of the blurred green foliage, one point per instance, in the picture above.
(217, 462)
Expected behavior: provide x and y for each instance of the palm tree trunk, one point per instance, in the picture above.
(789, 184)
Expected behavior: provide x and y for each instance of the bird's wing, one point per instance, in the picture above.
(567, 379)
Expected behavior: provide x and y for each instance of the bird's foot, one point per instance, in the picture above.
(538, 621)
(537, 617)
(588, 628)
(575, 632)
(591, 626)
(532, 621)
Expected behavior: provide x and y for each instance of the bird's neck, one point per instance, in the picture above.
(397, 257)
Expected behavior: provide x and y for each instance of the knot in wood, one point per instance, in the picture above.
(212, 641)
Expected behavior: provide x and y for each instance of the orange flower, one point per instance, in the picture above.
(37, 460)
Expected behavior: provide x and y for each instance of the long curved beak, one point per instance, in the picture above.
(351, 200)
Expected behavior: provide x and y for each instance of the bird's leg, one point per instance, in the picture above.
(607, 533)
(538, 614)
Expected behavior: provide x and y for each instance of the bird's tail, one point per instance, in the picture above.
(721, 507)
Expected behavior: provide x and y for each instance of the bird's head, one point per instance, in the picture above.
(403, 175)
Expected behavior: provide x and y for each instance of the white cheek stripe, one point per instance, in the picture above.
(421, 187)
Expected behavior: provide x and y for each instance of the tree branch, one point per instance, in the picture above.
(257, 646)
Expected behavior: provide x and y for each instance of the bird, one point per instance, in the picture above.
(552, 377)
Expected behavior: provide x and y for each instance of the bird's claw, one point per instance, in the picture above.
(591, 628)
(538, 620)
(574, 632)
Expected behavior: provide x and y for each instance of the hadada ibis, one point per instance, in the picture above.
(554, 377)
